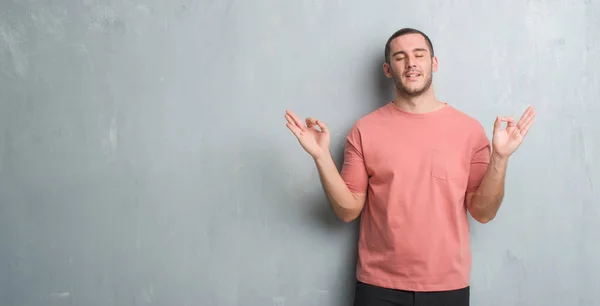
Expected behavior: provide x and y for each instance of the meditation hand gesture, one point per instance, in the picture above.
(506, 141)
(314, 141)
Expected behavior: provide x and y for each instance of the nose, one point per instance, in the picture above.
(410, 62)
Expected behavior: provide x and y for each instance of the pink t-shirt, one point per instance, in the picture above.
(416, 170)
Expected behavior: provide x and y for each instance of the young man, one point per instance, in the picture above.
(412, 170)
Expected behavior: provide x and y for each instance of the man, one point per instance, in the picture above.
(413, 169)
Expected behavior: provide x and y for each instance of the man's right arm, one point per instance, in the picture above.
(345, 190)
(346, 204)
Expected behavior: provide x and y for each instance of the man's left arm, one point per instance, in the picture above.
(484, 201)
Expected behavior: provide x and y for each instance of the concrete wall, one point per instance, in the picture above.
(144, 158)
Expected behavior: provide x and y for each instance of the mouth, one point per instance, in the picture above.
(412, 76)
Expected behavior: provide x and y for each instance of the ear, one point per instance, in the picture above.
(434, 64)
(387, 70)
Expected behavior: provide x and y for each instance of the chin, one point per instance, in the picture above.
(414, 89)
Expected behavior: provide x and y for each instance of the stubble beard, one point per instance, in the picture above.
(411, 92)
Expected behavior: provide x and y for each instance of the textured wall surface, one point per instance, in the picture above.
(144, 158)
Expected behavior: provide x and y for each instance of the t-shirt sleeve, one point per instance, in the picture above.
(353, 171)
(479, 161)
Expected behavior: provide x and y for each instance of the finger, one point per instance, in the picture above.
(310, 122)
(526, 118)
(525, 129)
(526, 115)
(294, 129)
(530, 109)
(296, 120)
(291, 121)
(323, 126)
(498, 123)
(514, 134)
(510, 121)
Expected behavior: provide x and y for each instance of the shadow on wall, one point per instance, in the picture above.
(350, 270)
(290, 207)
(382, 87)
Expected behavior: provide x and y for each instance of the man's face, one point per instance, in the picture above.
(411, 65)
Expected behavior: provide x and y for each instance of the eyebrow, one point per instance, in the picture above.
(414, 50)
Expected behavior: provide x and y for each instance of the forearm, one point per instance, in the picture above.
(346, 205)
(486, 200)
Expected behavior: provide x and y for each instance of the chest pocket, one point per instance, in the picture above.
(448, 165)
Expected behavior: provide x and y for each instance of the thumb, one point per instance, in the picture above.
(498, 123)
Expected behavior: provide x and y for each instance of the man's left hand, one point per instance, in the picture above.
(506, 141)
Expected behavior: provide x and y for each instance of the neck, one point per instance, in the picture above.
(424, 103)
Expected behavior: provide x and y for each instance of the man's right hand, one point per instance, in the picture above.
(346, 205)
(314, 141)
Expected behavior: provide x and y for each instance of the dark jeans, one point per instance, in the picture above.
(369, 295)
